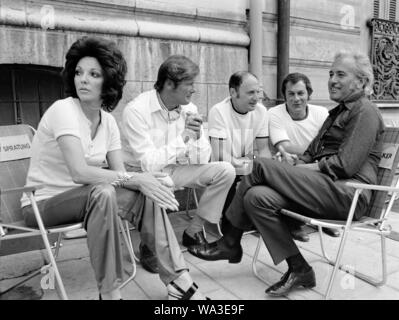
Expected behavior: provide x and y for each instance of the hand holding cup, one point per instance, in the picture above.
(193, 123)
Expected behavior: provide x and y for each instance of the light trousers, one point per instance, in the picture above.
(215, 177)
(97, 207)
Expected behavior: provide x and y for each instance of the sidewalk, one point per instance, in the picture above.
(217, 279)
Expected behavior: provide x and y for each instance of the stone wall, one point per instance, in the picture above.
(318, 30)
(212, 33)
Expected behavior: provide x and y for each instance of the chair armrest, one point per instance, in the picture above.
(372, 187)
(22, 189)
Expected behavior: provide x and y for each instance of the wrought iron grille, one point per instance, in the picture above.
(385, 59)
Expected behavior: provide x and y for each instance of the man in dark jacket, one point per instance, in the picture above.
(347, 148)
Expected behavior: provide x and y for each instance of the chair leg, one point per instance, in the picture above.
(323, 250)
(383, 260)
(337, 264)
(255, 260)
(188, 202)
(129, 245)
(61, 288)
(58, 245)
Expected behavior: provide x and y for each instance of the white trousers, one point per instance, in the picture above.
(215, 177)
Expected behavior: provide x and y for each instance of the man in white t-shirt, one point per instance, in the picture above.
(294, 124)
(165, 133)
(236, 124)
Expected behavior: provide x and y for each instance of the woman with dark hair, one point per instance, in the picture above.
(76, 138)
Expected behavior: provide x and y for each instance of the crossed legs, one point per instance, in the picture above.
(259, 197)
(97, 206)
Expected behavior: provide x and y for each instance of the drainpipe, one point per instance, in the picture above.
(256, 35)
(283, 45)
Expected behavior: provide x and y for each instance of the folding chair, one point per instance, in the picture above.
(15, 145)
(373, 222)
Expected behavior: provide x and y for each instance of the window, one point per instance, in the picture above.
(26, 91)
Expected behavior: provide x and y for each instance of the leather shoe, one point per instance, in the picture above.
(197, 240)
(291, 280)
(332, 232)
(217, 250)
(148, 259)
(299, 234)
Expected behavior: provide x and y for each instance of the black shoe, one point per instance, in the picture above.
(217, 250)
(291, 280)
(198, 240)
(148, 259)
(332, 232)
(298, 233)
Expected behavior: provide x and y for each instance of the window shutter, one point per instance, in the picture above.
(376, 9)
(392, 10)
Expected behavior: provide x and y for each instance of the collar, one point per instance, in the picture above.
(306, 116)
(235, 110)
(171, 115)
(76, 101)
(353, 100)
(154, 101)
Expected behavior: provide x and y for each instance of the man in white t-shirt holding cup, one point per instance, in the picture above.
(293, 125)
(238, 128)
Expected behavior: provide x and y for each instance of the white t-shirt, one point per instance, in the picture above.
(239, 130)
(299, 132)
(47, 165)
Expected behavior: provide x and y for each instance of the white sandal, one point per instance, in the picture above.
(181, 294)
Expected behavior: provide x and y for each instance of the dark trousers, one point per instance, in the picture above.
(231, 194)
(272, 186)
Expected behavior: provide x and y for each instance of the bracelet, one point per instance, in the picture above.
(123, 177)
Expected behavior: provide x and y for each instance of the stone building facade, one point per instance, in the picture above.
(35, 35)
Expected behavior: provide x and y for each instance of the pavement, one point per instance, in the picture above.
(219, 280)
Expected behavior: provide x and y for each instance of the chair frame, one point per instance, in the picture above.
(193, 191)
(366, 224)
(44, 232)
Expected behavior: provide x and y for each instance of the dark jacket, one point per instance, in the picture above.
(349, 144)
